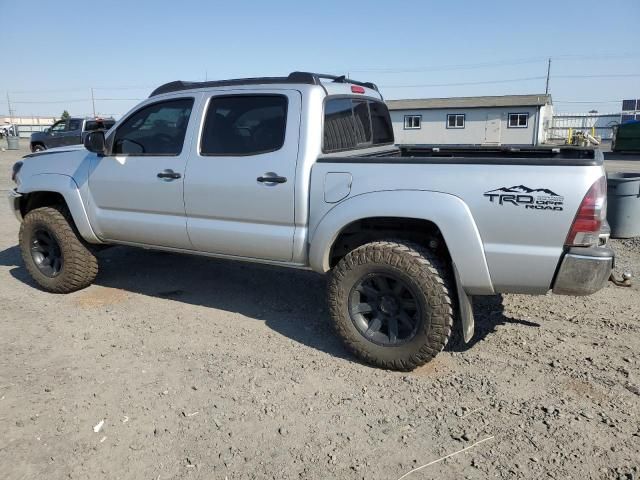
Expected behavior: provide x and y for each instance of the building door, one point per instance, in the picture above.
(492, 128)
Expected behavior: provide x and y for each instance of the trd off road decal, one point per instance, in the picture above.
(529, 198)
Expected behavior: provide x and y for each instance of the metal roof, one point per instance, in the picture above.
(470, 102)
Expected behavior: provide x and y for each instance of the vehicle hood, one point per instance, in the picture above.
(57, 150)
(72, 161)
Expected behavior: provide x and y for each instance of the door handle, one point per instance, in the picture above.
(169, 174)
(271, 178)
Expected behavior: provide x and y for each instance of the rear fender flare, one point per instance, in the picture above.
(451, 215)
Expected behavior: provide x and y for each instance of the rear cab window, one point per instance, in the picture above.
(355, 123)
(75, 124)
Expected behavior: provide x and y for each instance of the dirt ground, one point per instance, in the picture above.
(206, 369)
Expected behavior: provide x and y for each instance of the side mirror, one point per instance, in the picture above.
(47, 130)
(94, 142)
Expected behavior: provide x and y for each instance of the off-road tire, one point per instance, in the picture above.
(416, 265)
(79, 264)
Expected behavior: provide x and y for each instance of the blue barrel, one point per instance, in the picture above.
(623, 204)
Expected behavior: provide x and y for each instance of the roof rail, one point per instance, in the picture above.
(294, 77)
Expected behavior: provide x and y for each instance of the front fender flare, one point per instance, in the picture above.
(68, 188)
(451, 215)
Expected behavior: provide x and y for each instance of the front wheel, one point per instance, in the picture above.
(53, 252)
(37, 147)
(390, 304)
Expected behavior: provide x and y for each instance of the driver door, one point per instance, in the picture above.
(137, 188)
(57, 134)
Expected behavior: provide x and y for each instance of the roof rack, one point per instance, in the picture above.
(294, 77)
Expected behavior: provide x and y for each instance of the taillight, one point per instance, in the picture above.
(592, 212)
(357, 89)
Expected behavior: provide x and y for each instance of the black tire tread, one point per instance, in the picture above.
(80, 266)
(426, 268)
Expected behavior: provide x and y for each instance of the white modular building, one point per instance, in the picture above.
(513, 120)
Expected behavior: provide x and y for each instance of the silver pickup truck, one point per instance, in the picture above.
(302, 171)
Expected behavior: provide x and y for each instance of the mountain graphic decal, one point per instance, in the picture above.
(523, 189)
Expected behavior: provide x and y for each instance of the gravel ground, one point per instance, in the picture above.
(209, 369)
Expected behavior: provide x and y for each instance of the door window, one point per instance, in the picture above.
(244, 125)
(74, 124)
(157, 129)
(59, 127)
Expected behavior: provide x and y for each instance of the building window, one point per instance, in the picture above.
(518, 120)
(412, 122)
(455, 120)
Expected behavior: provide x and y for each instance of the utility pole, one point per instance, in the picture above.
(546, 90)
(9, 107)
(93, 102)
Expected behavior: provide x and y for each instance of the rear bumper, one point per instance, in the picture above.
(14, 203)
(584, 270)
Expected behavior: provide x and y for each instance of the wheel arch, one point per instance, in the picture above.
(438, 213)
(54, 189)
(33, 144)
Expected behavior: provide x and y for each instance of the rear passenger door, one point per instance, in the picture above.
(239, 184)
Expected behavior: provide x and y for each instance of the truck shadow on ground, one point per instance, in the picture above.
(289, 301)
(489, 315)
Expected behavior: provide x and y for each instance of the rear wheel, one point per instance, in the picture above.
(390, 304)
(53, 252)
(37, 147)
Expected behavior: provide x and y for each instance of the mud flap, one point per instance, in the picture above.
(465, 308)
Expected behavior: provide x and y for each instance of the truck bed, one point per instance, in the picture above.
(521, 242)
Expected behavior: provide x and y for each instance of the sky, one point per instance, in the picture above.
(55, 52)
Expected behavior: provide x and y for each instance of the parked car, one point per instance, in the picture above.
(70, 131)
(302, 171)
(8, 129)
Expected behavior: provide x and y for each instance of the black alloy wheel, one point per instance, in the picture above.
(46, 253)
(385, 309)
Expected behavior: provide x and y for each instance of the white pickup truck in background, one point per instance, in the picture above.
(302, 171)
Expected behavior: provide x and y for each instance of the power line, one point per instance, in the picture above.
(523, 79)
(117, 99)
(587, 101)
(54, 101)
(56, 90)
(139, 87)
(499, 63)
(75, 100)
(606, 75)
(486, 82)
(447, 67)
